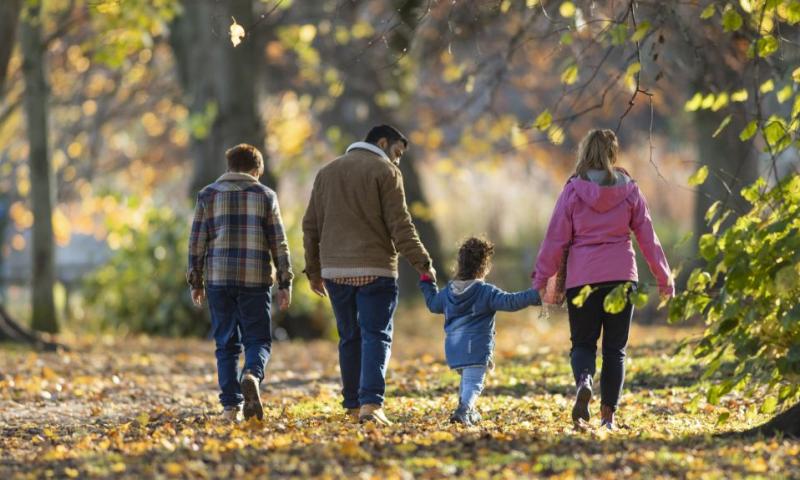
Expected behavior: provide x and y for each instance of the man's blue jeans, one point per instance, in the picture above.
(364, 317)
(239, 317)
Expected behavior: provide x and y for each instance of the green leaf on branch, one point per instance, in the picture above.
(544, 120)
(694, 104)
(796, 75)
(776, 134)
(731, 20)
(617, 298)
(748, 131)
(767, 45)
(639, 299)
(640, 32)
(708, 246)
(708, 12)
(619, 34)
(724, 123)
(784, 93)
(570, 75)
(739, 95)
(581, 297)
(767, 86)
(698, 177)
(769, 405)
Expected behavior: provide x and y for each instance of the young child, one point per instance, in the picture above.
(469, 306)
(236, 233)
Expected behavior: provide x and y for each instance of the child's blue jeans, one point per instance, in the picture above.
(471, 385)
(239, 317)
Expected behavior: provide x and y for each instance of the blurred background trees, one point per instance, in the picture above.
(132, 104)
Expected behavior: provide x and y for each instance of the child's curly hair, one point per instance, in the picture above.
(474, 258)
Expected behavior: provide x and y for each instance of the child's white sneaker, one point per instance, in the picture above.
(232, 414)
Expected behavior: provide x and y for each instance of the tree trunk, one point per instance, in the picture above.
(219, 82)
(42, 180)
(786, 423)
(9, 17)
(12, 331)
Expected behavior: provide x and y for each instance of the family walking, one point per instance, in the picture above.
(357, 223)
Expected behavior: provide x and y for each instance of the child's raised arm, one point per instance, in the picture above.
(503, 301)
(433, 298)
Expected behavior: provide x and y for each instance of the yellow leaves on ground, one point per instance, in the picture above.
(141, 408)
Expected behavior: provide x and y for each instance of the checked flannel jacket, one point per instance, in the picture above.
(236, 232)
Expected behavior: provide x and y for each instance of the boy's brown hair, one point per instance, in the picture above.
(474, 258)
(244, 158)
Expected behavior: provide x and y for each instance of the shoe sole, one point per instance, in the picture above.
(373, 418)
(580, 411)
(252, 400)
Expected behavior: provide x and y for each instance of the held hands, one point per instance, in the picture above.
(198, 296)
(551, 295)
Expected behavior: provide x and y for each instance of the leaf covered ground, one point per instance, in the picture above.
(143, 407)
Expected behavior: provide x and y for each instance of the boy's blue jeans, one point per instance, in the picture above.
(239, 317)
(471, 385)
(364, 317)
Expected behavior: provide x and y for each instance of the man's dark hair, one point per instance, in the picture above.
(388, 132)
(244, 158)
(474, 258)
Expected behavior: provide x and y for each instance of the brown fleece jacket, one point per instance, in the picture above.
(357, 220)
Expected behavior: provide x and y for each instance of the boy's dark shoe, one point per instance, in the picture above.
(252, 397)
(580, 411)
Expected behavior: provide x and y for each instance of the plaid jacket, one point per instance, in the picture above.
(236, 232)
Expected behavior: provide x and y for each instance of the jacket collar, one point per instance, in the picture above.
(370, 148)
(237, 177)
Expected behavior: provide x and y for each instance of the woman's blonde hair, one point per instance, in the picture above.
(598, 151)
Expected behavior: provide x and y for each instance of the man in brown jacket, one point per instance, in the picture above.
(356, 223)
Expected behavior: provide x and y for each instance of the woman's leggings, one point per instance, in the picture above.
(585, 325)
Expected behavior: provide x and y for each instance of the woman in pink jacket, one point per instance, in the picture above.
(591, 224)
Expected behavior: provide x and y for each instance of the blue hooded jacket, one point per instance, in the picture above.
(469, 309)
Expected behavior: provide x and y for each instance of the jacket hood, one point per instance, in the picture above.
(237, 177)
(600, 198)
(462, 295)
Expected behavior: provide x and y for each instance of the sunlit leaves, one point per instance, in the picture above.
(567, 9)
(739, 95)
(543, 120)
(616, 300)
(796, 75)
(708, 12)
(236, 33)
(708, 246)
(694, 103)
(698, 177)
(731, 20)
(776, 134)
(640, 32)
(767, 86)
(570, 74)
(724, 123)
(767, 45)
(784, 93)
(582, 296)
(748, 131)
(555, 134)
(619, 34)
